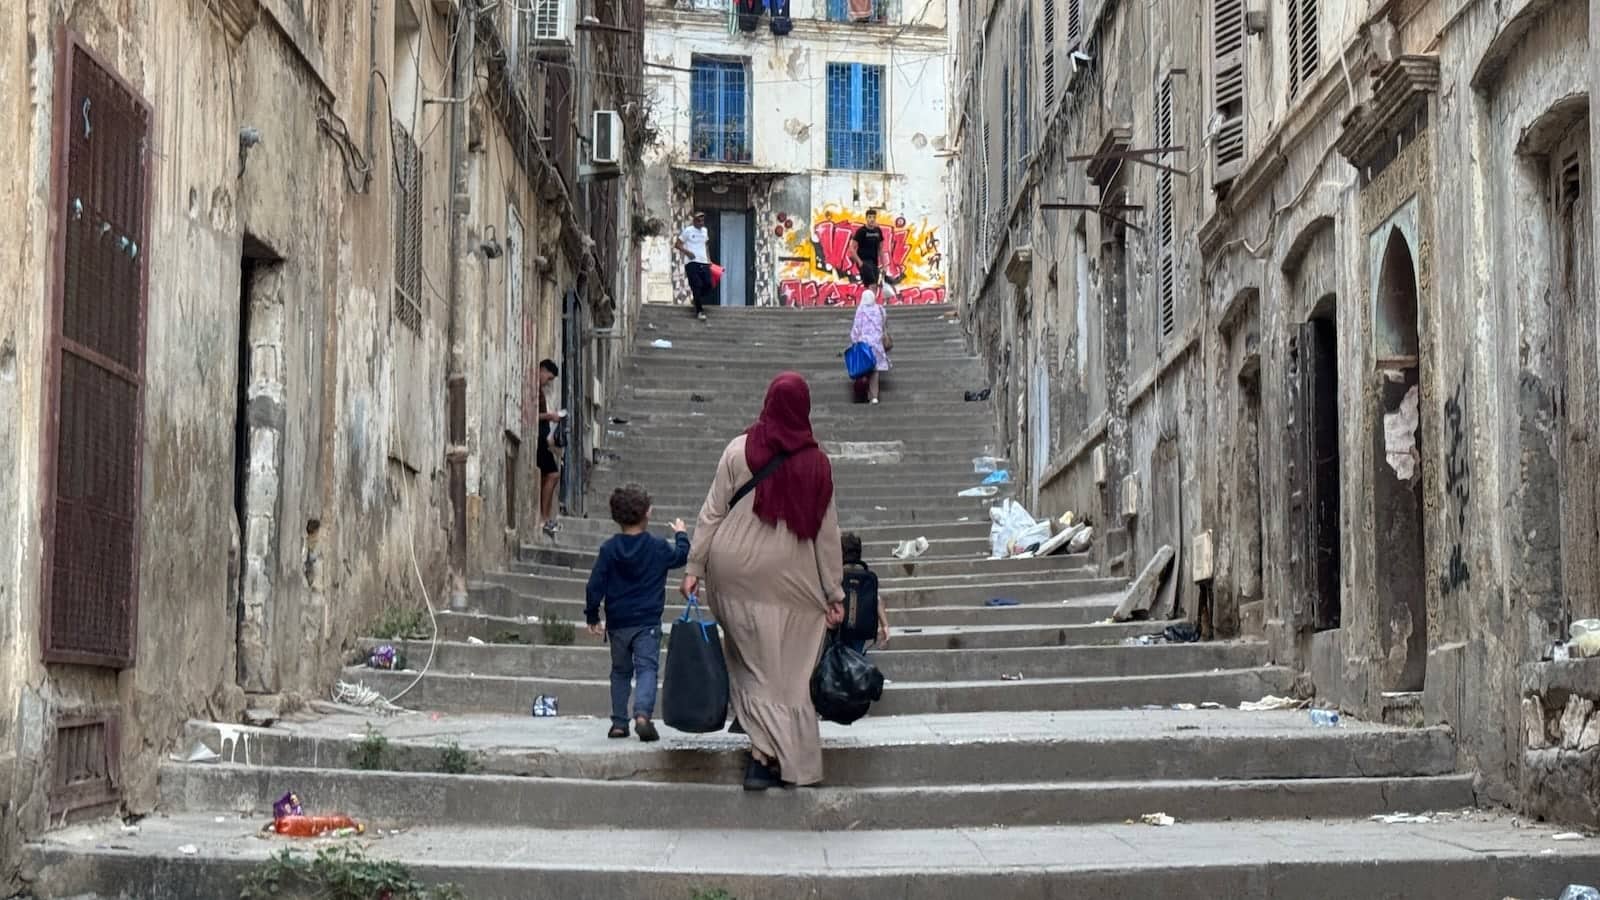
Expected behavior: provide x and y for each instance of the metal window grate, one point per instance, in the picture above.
(85, 766)
(720, 103)
(96, 372)
(1165, 213)
(855, 117)
(1074, 23)
(408, 299)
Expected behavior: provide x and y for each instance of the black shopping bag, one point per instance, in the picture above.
(694, 697)
(845, 684)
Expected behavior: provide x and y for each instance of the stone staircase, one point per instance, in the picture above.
(1013, 754)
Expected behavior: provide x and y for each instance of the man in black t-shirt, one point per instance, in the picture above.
(866, 248)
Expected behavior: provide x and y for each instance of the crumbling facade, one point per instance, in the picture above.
(268, 343)
(1304, 291)
(785, 127)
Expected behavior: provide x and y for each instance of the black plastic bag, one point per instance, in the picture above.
(694, 696)
(845, 684)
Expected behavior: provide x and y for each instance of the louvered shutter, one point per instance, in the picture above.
(1074, 23)
(1228, 89)
(1049, 72)
(1164, 213)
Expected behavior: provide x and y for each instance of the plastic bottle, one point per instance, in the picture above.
(1580, 892)
(314, 826)
(1325, 718)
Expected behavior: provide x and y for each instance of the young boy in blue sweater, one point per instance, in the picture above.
(630, 579)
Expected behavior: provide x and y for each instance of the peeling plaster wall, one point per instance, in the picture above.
(788, 138)
(358, 418)
(1493, 404)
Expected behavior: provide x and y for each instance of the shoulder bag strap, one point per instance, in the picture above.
(766, 471)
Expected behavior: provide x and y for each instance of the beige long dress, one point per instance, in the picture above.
(770, 592)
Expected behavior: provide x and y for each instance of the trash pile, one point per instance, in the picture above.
(289, 819)
(1176, 633)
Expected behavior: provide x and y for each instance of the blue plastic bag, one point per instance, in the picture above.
(859, 360)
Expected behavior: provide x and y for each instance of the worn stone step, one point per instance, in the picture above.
(897, 591)
(592, 660)
(591, 696)
(989, 748)
(584, 536)
(930, 565)
(972, 574)
(1317, 859)
(459, 626)
(1082, 601)
(390, 800)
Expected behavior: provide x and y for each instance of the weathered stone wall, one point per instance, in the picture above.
(1464, 472)
(347, 495)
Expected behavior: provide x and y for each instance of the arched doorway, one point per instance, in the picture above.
(1398, 529)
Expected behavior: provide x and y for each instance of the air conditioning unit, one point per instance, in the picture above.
(606, 145)
(553, 21)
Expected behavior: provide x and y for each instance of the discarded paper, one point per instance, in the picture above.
(1159, 820)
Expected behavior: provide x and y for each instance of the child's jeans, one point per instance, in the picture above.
(635, 656)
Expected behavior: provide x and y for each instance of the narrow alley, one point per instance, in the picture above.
(1014, 752)
(1209, 386)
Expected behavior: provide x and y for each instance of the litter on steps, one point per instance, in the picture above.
(985, 491)
(911, 549)
(1271, 702)
(1158, 820)
(1014, 531)
(661, 344)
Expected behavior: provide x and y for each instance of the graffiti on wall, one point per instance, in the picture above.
(817, 269)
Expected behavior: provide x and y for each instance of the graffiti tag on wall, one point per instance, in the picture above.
(818, 271)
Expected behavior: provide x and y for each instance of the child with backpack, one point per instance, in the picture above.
(864, 617)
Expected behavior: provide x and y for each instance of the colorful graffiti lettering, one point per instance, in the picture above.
(818, 270)
(812, 292)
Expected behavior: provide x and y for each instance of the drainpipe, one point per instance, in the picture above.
(456, 379)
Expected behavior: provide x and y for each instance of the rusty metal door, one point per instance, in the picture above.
(95, 365)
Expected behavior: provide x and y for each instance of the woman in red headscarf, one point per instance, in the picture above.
(773, 570)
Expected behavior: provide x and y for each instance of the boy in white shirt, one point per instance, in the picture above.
(694, 242)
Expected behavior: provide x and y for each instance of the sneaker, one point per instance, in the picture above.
(551, 527)
(646, 730)
(701, 317)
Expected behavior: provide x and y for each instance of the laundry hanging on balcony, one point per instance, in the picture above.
(750, 12)
(781, 23)
(861, 10)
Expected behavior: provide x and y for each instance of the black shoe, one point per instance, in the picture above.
(758, 777)
(617, 731)
(646, 730)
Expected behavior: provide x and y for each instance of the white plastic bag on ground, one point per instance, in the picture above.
(911, 549)
(1014, 530)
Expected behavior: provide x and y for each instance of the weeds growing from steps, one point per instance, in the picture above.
(401, 624)
(370, 752)
(558, 632)
(455, 761)
(340, 872)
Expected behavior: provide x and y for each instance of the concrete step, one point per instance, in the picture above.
(389, 800)
(970, 574)
(589, 660)
(1061, 583)
(459, 626)
(592, 697)
(1483, 855)
(954, 551)
(977, 749)
(575, 563)
(1088, 603)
